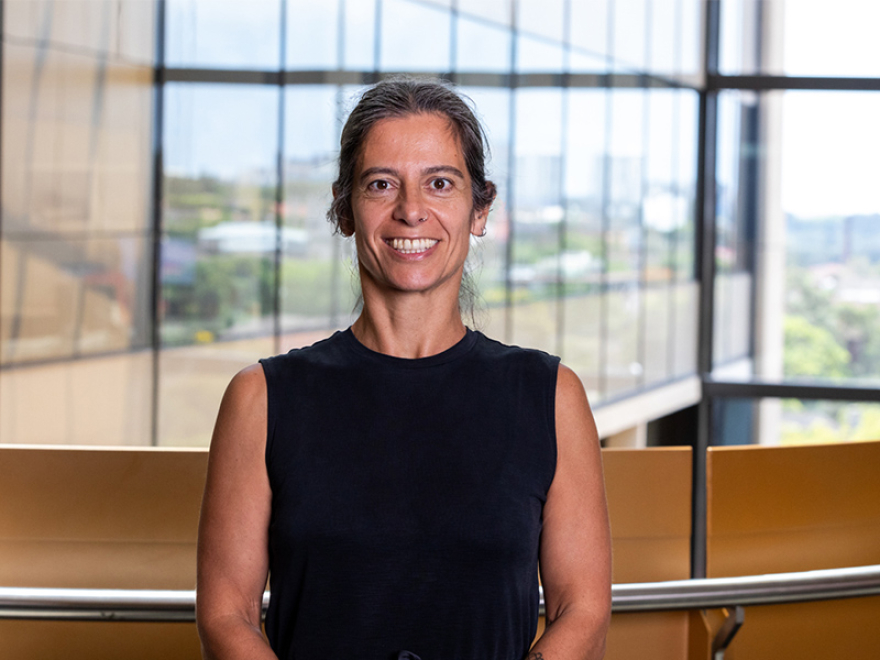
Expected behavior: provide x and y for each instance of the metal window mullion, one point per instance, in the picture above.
(705, 208)
(156, 229)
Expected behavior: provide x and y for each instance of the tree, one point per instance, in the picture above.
(813, 351)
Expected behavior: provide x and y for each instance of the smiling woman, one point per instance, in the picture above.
(400, 482)
(413, 214)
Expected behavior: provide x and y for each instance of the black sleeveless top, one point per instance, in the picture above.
(407, 500)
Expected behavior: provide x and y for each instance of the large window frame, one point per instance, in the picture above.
(716, 386)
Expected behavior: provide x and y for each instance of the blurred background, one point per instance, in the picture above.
(688, 209)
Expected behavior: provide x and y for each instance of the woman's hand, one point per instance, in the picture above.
(575, 552)
(233, 551)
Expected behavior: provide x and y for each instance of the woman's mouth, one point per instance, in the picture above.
(412, 245)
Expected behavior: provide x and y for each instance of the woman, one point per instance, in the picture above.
(399, 482)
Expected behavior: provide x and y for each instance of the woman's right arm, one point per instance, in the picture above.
(233, 551)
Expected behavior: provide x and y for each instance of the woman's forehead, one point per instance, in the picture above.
(412, 136)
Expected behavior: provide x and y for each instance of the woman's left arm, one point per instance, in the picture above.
(575, 553)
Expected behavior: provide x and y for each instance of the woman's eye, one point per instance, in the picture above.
(379, 185)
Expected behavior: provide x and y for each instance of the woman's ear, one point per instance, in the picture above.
(481, 216)
(344, 223)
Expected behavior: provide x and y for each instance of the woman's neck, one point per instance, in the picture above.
(408, 326)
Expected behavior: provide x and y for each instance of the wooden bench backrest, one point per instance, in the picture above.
(121, 518)
(99, 518)
(649, 505)
(110, 518)
(781, 509)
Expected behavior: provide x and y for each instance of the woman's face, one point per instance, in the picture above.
(412, 206)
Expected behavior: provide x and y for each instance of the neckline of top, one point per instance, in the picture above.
(454, 352)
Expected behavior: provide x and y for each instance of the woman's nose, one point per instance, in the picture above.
(410, 208)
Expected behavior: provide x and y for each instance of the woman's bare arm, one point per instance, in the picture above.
(233, 553)
(575, 542)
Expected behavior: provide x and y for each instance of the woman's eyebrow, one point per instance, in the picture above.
(442, 169)
(434, 169)
(372, 171)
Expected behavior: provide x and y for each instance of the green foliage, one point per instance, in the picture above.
(227, 290)
(829, 423)
(811, 350)
(820, 329)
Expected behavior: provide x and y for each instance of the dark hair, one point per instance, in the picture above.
(399, 97)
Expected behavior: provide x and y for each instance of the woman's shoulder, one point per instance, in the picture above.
(496, 350)
(323, 350)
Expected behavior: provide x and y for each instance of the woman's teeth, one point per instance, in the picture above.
(412, 246)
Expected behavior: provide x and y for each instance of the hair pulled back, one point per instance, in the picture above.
(399, 97)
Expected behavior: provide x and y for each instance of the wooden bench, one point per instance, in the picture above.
(782, 509)
(649, 504)
(119, 518)
(99, 518)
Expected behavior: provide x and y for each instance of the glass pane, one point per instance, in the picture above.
(802, 38)
(316, 268)
(820, 422)
(192, 380)
(218, 253)
(685, 319)
(733, 314)
(582, 259)
(735, 118)
(589, 28)
(690, 36)
(798, 194)
(489, 254)
(580, 343)
(848, 34)
(623, 371)
(497, 11)
(625, 185)
(792, 422)
(360, 35)
(117, 29)
(541, 55)
(66, 298)
(832, 210)
(685, 156)
(223, 34)
(545, 18)
(95, 401)
(630, 35)
(482, 46)
(658, 314)
(662, 213)
(312, 37)
(416, 37)
(538, 213)
(664, 42)
(76, 143)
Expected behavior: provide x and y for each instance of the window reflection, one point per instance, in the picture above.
(590, 245)
(223, 34)
(65, 298)
(316, 271)
(847, 45)
(800, 421)
(313, 37)
(406, 49)
(832, 244)
(534, 272)
(481, 46)
(584, 252)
